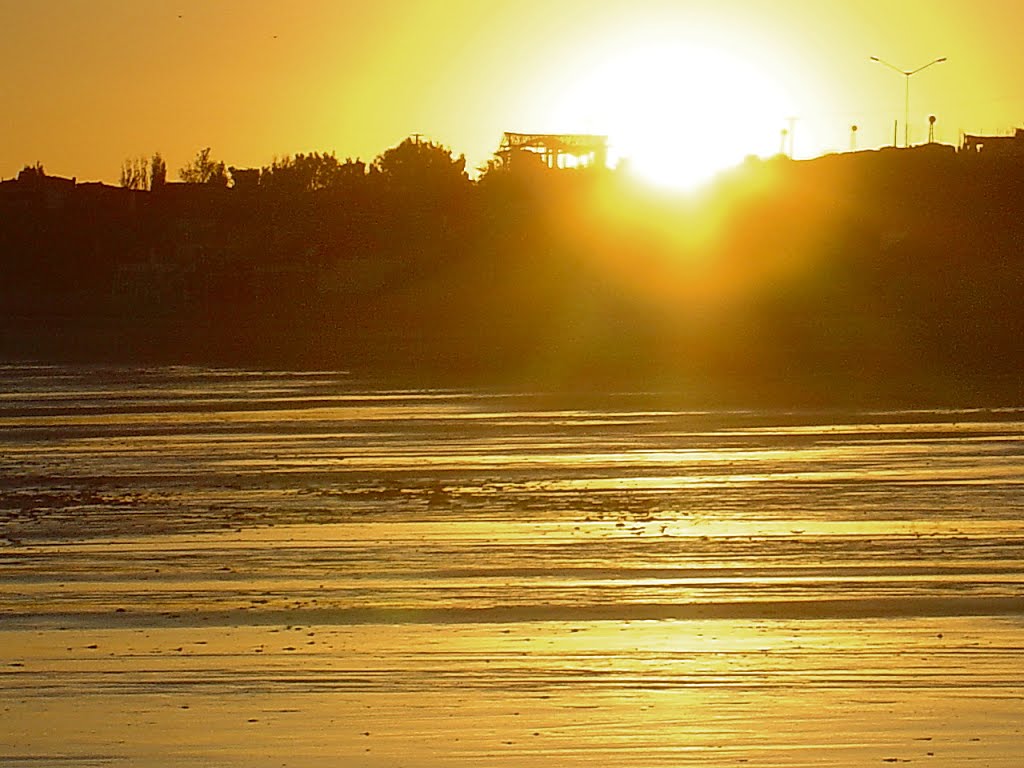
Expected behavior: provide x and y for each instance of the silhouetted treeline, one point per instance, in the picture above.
(892, 274)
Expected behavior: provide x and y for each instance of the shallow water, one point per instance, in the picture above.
(246, 568)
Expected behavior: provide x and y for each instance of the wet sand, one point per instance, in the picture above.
(218, 568)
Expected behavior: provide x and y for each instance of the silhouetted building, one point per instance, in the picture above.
(245, 179)
(1002, 146)
(52, 191)
(97, 196)
(555, 150)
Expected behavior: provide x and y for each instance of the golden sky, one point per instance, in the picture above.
(88, 83)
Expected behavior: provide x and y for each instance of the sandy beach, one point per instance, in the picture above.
(215, 568)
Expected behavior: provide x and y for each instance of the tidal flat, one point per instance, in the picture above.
(207, 567)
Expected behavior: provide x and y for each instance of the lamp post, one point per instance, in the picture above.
(907, 74)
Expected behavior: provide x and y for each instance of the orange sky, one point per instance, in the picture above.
(90, 82)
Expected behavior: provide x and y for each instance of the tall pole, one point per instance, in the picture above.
(792, 135)
(907, 74)
(906, 113)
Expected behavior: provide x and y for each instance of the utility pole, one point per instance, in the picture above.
(907, 74)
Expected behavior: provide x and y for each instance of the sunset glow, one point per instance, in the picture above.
(544, 384)
(681, 89)
(678, 113)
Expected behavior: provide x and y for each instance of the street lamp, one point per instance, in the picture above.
(906, 95)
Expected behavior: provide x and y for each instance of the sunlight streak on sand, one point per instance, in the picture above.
(195, 576)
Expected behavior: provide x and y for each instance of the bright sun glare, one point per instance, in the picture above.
(679, 114)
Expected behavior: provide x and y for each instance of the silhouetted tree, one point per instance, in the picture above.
(135, 173)
(157, 171)
(204, 170)
(492, 167)
(421, 165)
(352, 170)
(308, 173)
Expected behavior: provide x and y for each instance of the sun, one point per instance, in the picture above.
(678, 114)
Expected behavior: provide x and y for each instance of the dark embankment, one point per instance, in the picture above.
(877, 276)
